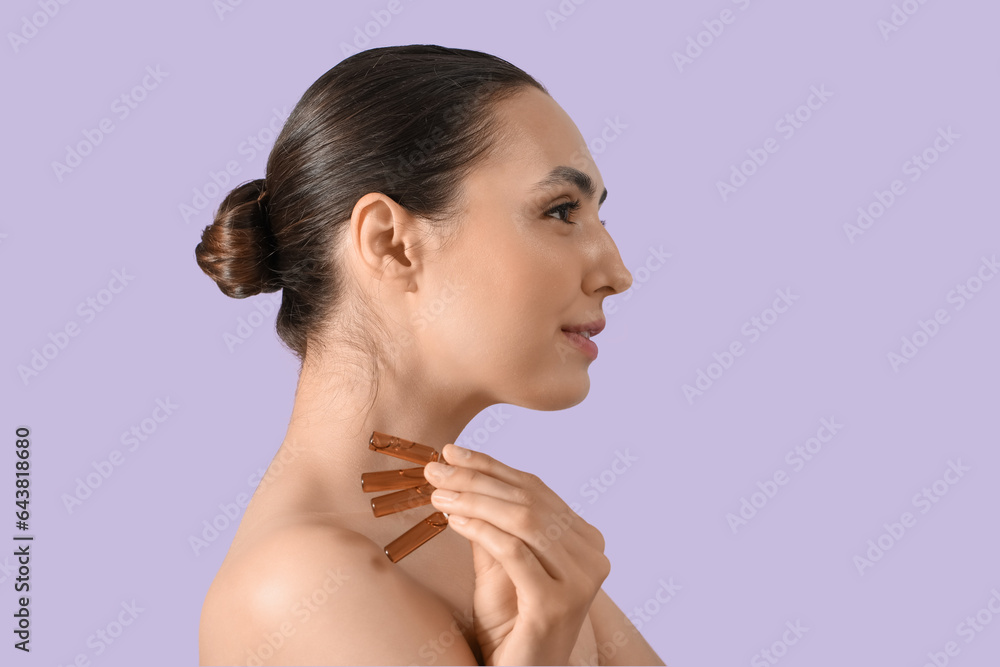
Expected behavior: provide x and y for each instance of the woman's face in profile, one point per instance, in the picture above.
(530, 257)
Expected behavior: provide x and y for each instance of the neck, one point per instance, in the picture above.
(326, 448)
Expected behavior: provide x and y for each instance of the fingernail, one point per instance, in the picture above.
(443, 495)
(439, 470)
(460, 520)
(460, 452)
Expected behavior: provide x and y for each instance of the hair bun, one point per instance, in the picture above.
(238, 249)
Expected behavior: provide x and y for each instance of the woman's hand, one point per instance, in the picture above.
(538, 564)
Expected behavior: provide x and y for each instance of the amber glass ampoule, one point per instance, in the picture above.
(402, 448)
(402, 500)
(388, 480)
(414, 491)
(414, 537)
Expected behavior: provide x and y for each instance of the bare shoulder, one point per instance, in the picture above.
(315, 593)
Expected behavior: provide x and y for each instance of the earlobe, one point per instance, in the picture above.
(383, 237)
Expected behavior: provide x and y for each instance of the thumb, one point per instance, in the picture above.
(482, 561)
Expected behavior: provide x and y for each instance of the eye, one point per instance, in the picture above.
(564, 210)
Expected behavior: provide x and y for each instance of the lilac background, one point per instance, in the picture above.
(681, 130)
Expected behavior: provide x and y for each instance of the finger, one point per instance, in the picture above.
(543, 533)
(545, 501)
(482, 561)
(519, 562)
(457, 478)
(485, 463)
(469, 459)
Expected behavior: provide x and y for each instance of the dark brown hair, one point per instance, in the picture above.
(406, 121)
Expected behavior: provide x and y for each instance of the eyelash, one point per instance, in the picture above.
(566, 208)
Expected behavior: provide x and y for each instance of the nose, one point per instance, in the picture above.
(609, 273)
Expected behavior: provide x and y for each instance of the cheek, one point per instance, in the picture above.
(508, 324)
(500, 307)
(475, 313)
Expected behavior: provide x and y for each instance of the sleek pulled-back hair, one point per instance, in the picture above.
(407, 121)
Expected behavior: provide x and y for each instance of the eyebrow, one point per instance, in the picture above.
(569, 175)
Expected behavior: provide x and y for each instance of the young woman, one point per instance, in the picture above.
(431, 217)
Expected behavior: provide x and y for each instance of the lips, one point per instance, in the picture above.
(587, 329)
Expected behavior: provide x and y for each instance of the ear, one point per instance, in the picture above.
(386, 239)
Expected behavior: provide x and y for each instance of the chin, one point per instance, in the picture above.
(567, 394)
